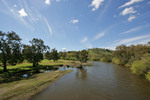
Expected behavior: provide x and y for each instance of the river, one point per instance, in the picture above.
(102, 81)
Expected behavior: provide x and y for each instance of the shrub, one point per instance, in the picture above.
(141, 67)
(95, 59)
(148, 76)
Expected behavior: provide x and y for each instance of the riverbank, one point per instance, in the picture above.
(24, 89)
(16, 72)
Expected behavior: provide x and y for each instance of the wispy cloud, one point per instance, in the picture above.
(129, 40)
(84, 40)
(48, 2)
(129, 10)
(96, 4)
(49, 28)
(99, 36)
(130, 3)
(22, 13)
(132, 17)
(74, 21)
(132, 30)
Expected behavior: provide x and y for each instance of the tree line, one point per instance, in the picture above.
(13, 52)
(136, 57)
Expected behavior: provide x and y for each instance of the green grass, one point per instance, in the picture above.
(15, 72)
(24, 89)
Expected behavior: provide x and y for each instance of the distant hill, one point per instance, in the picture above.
(96, 53)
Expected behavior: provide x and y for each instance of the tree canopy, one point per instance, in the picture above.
(34, 53)
(10, 49)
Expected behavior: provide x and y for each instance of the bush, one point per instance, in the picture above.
(95, 59)
(118, 61)
(148, 76)
(141, 67)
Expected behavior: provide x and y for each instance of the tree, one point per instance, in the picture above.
(83, 56)
(10, 49)
(34, 53)
(54, 55)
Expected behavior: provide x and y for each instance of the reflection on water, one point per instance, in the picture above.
(102, 81)
(81, 73)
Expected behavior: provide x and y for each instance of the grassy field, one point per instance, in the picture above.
(24, 89)
(28, 66)
(15, 72)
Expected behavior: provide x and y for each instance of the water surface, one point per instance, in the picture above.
(102, 81)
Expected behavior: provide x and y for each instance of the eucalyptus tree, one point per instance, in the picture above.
(10, 49)
(34, 53)
(52, 55)
(83, 56)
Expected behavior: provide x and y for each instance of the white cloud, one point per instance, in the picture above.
(15, 5)
(64, 49)
(110, 48)
(132, 30)
(149, 2)
(74, 21)
(130, 3)
(129, 10)
(22, 13)
(49, 28)
(129, 40)
(132, 17)
(48, 2)
(85, 39)
(96, 4)
(99, 36)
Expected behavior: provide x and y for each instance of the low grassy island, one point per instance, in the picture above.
(25, 88)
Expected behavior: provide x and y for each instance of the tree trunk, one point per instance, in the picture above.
(81, 64)
(33, 64)
(54, 60)
(5, 67)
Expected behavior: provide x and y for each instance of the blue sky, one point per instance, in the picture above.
(78, 24)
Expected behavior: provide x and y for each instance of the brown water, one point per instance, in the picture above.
(102, 81)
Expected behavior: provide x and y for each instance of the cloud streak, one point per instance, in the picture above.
(86, 42)
(130, 3)
(99, 36)
(49, 28)
(133, 39)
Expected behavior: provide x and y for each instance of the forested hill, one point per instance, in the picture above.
(96, 53)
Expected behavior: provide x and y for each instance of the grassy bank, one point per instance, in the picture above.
(15, 72)
(14, 86)
(24, 89)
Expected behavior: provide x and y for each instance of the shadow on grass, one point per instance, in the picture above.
(24, 72)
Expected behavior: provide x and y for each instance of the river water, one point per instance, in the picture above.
(102, 81)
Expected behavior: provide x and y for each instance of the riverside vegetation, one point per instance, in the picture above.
(135, 57)
(17, 59)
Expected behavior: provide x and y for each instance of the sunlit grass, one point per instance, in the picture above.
(23, 89)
